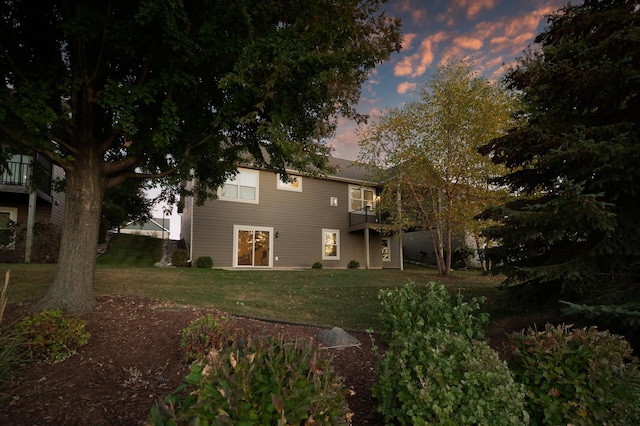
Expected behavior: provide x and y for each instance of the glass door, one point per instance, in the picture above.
(253, 247)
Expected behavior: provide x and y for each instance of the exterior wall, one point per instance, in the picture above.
(297, 218)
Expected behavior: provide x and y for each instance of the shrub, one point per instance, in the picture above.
(445, 378)
(353, 264)
(582, 376)
(203, 335)
(180, 258)
(317, 265)
(436, 370)
(204, 262)
(405, 310)
(263, 381)
(50, 336)
(46, 243)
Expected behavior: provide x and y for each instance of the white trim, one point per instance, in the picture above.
(233, 181)
(324, 244)
(234, 254)
(362, 188)
(288, 186)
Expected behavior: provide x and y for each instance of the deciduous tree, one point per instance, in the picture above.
(122, 89)
(428, 151)
(575, 163)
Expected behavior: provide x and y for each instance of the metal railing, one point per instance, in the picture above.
(364, 215)
(18, 173)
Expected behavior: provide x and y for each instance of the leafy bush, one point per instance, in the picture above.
(582, 376)
(203, 335)
(180, 258)
(317, 265)
(46, 243)
(262, 381)
(204, 262)
(405, 310)
(353, 264)
(442, 377)
(50, 336)
(436, 370)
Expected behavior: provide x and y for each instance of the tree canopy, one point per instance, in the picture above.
(428, 150)
(575, 162)
(168, 89)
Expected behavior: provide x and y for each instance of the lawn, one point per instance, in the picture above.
(325, 297)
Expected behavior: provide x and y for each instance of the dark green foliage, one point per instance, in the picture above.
(202, 336)
(573, 226)
(582, 376)
(180, 258)
(51, 336)
(7, 234)
(411, 308)
(436, 369)
(317, 265)
(46, 243)
(204, 262)
(263, 381)
(126, 203)
(353, 264)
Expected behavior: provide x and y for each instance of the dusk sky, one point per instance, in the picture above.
(491, 32)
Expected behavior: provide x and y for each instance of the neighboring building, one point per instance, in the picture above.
(156, 227)
(258, 221)
(47, 205)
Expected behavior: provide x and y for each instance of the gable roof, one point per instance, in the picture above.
(153, 224)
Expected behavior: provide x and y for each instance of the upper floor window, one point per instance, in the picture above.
(295, 183)
(361, 197)
(242, 187)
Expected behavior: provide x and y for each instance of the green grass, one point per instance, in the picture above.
(344, 298)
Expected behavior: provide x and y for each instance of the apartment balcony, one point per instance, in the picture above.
(16, 177)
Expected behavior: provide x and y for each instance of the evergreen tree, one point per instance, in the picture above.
(574, 228)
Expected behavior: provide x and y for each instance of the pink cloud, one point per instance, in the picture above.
(416, 65)
(405, 87)
(465, 42)
(407, 39)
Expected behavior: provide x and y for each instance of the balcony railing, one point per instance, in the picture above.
(364, 215)
(18, 173)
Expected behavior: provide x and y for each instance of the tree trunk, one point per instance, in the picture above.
(436, 240)
(73, 289)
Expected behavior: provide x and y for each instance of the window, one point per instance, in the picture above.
(8, 219)
(252, 246)
(294, 185)
(386, 250)
(330, 244)
(361, 197)
(242, 187)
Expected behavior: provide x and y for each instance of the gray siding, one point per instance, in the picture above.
(297, 217)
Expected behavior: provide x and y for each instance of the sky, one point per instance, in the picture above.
(492, 33)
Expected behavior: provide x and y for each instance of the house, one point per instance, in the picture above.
(258, 221)
(156, 227)
(19, 205)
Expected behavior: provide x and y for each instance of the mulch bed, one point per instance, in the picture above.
(134, 358)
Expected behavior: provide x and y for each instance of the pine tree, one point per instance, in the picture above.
(574, 228)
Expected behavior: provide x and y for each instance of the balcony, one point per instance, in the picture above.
(15, 178)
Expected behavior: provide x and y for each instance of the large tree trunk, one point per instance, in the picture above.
(72, 289)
